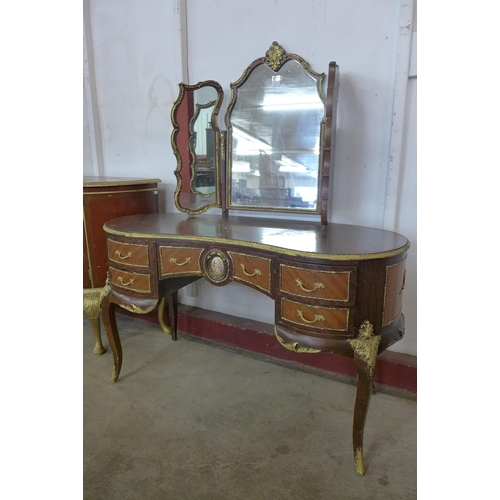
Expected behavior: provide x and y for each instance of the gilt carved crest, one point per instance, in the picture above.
(275, 56)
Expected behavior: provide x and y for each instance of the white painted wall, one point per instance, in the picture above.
(140, 57)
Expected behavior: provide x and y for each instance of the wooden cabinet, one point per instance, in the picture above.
(104, 199)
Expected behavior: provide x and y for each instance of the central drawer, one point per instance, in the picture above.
(252, 270)
(179, 261)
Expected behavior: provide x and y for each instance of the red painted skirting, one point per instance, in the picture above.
(394, 370)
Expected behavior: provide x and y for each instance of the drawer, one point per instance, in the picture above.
(315, 317)
(137, 282)
(128, 254)
(255, 271)
(333, 284)
(179, 261)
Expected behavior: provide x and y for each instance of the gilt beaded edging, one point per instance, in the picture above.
(261, 246)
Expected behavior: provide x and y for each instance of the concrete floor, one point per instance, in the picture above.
(189, 421)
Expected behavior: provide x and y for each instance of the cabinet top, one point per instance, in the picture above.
(97, 181)
(290, 237)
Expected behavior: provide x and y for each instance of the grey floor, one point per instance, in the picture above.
(189, 421)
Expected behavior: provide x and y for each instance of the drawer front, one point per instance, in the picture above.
(335, 285)
(315, 317)
(137, 282)
(179, 261)
(255, 271)
(128, 254)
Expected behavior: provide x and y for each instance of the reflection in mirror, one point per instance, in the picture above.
(196, 145)
(275, 131)
(201, 148)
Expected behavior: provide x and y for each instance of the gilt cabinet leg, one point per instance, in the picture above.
(363, 394)
(96, 328)
(171, 327)
(92, 309)
(109, 320)
(161, 317)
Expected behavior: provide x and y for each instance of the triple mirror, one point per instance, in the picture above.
(278, 143)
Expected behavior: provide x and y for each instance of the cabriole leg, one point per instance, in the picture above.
(172, 314)
(109, 320)
(171, 328)
(363, 394)
(92, 309)
(96, 328)
(161, 315)
(365, 349)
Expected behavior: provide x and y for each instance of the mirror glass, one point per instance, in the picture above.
(275, 128)
(196, 144)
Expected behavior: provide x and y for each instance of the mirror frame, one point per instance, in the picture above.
(275, 58)
(183, 89)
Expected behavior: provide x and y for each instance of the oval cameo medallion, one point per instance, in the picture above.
(216, 266)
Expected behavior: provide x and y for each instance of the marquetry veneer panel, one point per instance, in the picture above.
(255, 271)
(128, 254)
(179, 261)
(137, 282)
(315, 317)
(332, 284)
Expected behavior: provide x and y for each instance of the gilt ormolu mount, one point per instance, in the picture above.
(278, 152)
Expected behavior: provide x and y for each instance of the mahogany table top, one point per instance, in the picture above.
(332, 241)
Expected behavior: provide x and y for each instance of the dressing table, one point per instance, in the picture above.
(336, 288)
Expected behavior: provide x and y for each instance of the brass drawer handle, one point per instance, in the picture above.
(316, 286)
(123, 257)
(173, 260)
(318, 317)
(131, 282)
(257, 272)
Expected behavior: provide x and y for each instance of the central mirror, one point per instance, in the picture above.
(274, 130)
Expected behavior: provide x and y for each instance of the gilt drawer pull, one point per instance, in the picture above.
(318, 317)
(316, 286)
(173, 260)
(257, 272)
(123, 257)
(131, 282)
